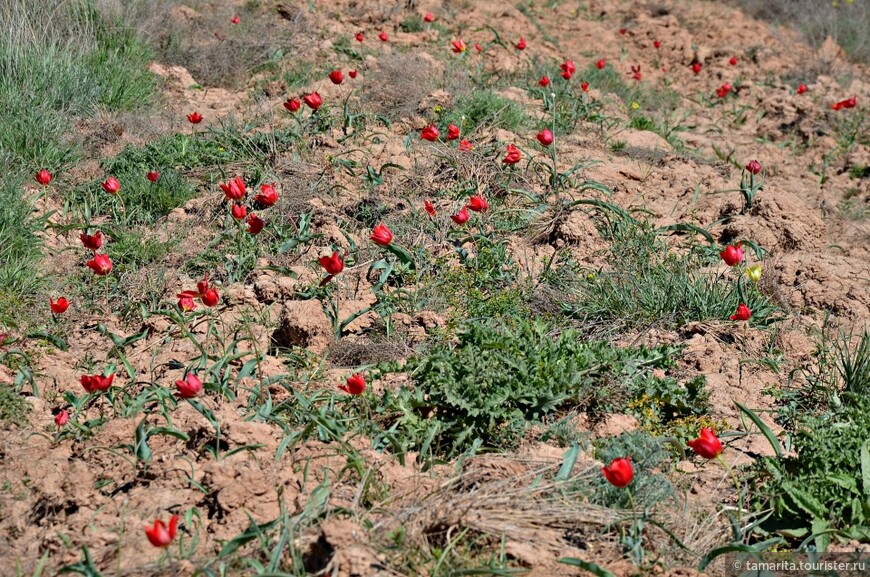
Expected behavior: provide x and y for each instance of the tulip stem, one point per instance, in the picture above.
(737, 485)
(556, 180)
(633, 505)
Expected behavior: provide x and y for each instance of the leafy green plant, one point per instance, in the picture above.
(823, 491)
(657, 401)
(486, 391)
(649, 456)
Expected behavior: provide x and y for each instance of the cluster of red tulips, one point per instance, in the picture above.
(620, 472)
(312, 100)
(236, 192)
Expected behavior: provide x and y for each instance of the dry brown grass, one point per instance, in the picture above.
(200, 37)
(515, 498)
(398, 85)
(847, 22)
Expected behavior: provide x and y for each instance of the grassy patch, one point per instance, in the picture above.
(58, 62)
(13, 407)
(650, 284)
(173, 156)
(21, 251)
(486, 108)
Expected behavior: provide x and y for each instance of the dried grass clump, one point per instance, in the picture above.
(398, 85)
(515, 497)
(848, 23)
(220, 54)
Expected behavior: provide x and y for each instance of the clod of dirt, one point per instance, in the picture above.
(303, 324)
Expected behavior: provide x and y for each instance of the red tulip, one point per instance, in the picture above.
(707, 444)
(743, 313)
(848, 103)
(478, 47)
(239, 211)
(210, 298)
(292, 104)
(544, 81)
(430, 133)
(461, 217)
(696, 67)
(202, 286)
(584, 86)
(352, 73)
(732, 255)
(336, 77)
(545, 137)
(381, 235)
(657, 44)
(753, 166)
(568, 69)
(160, 535)
(733, 61)
(111, 185)
(255, 224)
(521, 45)
(61, 418)
(477, 203)
(801, 89)
(635, 73)
(360, 37)
(355, 385)
(430, 209)
(383, 36)
(236, 19)
(465, 145)
(458, 47)
(101, 264)
(268, 196)
(186, 304)
(452, 132)
(152, 176)
(313, 101)
(58, 307)
(428, 17)
(332, 264)
(204, 292)
(194, 117)
(43, 177)
(723, 90)
(601, 64)
(190, 387)
(513, 155)
(234, 189)
(92, 241)
(619, 473)
(93, 383)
